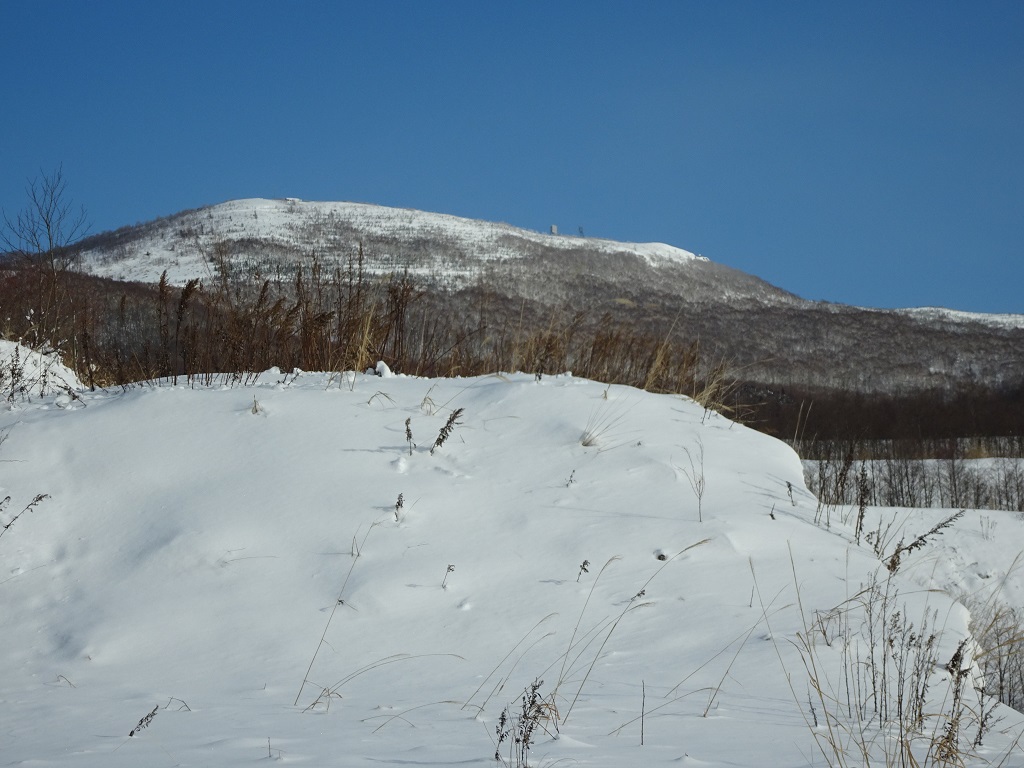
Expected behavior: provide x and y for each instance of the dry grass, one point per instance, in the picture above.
(878, 691)
(228, 328)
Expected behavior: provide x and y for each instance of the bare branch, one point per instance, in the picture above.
(49, 226)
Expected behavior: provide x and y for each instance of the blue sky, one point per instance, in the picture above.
(863, 152)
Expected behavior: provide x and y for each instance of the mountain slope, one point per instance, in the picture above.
(446, 250)
(771, 337)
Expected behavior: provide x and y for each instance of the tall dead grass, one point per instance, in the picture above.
(230, 327)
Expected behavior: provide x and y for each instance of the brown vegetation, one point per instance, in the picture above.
(114, 333)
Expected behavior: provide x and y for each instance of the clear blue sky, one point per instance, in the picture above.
(864, 152)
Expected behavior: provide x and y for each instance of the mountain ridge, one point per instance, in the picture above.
(321, 220)
(774, 337)
(122, 266)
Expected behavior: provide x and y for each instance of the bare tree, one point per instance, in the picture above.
(43, 240)
(46, 231)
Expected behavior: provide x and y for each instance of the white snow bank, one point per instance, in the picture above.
(369, 574)
(27, 373)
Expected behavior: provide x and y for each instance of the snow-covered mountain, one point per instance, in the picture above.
(183, 243)
(264, 236)
(359, 570)
(774, 337)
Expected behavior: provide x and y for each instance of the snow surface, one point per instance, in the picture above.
(204, 551)
(28, 373)
(182, 245)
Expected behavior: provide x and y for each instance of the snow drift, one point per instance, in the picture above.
(303, 570)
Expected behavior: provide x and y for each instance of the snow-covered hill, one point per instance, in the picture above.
(184, 244)
(300, 570)
(775, 338)
(452, 250)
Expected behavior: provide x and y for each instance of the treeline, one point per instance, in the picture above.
(921, 422)
(115, 333)
(978, 473)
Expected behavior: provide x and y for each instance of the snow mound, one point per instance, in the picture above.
(27, 373)
(367, 570)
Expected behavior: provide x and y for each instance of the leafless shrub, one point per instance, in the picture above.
(892, 475)
(520, 727)
(872, 687)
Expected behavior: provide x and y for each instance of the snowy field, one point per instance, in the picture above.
(276, 572)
